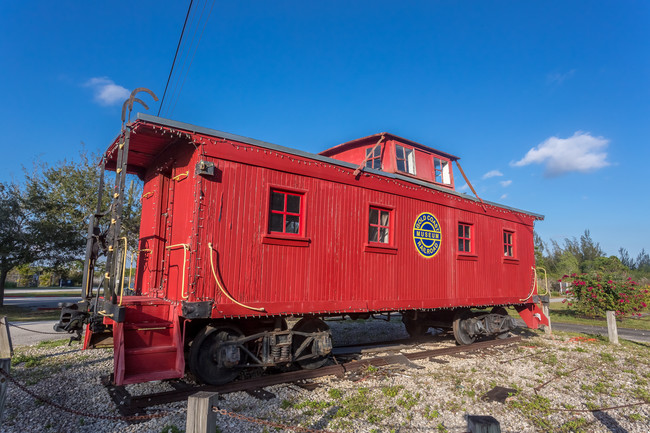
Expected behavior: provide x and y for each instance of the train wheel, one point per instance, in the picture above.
(213, 362)
(413, 328)
(460, 328)
(502, 312)
(311, 325)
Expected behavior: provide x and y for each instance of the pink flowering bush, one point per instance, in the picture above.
(592, 294)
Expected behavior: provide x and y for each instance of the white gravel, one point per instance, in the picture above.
(436, 397)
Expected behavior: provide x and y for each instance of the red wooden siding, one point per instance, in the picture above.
(329, 268)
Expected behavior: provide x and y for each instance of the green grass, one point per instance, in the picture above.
(23, 314)
(561, 314)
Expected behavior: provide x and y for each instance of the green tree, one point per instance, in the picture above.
(61, 199)
(625, 258)
(540, 247)
(14, 233)
(643, 261)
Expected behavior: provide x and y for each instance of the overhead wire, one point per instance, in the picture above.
(186, 45)
(171, 70)
(194, 53)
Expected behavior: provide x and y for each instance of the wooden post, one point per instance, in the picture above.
(200, 416)
(612, 331)
(6, 350)
(547, 313)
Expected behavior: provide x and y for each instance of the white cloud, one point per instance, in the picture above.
(559, 78)
(106, 91)
(503, 196)
(492, 173)
(463, 188)
(505, 183)
(581, 153)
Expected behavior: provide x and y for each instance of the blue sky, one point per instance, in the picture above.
(546, 102)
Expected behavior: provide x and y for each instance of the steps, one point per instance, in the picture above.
(148, 344)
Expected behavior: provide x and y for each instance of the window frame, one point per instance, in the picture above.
(472, 254)
(441, 171)
(467, 241)
(299, 239)
(405, 159)
(379, 225)
(509, 247)
(376, 246)
(370, 161)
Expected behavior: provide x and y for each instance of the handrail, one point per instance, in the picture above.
(214, 274)
(186, 248)
(123, 270)
(545, 280)
(534, 285)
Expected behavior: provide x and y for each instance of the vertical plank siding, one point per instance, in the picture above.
(328, 271)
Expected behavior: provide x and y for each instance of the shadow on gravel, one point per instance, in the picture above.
(524, 332)
(609, 422)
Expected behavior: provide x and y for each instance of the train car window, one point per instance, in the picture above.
(285, 212)
(465, 238)
(441, 168)
(508, 243)
(379, 225)
(373, 157)
(405, 158)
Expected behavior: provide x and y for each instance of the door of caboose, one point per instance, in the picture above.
(176, 276)
(153, 235)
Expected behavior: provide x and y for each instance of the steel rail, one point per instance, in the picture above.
(138, 403)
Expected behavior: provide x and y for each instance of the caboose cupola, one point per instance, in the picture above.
(393, 154)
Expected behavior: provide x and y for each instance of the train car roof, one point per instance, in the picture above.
(145, 144)
(363, 141)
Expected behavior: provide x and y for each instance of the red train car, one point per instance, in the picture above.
(238, 234)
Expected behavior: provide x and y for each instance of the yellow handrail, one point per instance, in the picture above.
(545, 280)
(123, 269)
(181, 176)
(186, 248)
(534, 285)
(214, 274)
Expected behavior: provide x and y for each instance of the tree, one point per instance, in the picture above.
(625, 258)
(14, 235)
(643, 261)
(584, 250)
(539, 250)
(61, 198)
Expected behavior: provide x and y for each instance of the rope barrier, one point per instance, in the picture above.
(76, 412)
(37, 332)
(268, 423)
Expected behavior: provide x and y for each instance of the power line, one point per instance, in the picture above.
(193, 54)
(176, 54)
(183, 56)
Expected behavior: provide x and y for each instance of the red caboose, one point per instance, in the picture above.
(237, 234)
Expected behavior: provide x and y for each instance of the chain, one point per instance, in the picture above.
(76, 412)
(268, 423)
(37, 332)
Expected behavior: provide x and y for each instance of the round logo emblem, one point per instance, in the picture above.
(426, 235)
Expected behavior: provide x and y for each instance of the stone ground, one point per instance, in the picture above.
(554, 384)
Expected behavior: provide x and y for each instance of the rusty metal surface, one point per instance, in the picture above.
(144, 401)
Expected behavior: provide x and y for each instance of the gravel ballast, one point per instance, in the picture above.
(549, 379)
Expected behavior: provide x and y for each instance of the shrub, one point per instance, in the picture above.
(593, 294)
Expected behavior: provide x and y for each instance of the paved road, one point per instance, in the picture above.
(9, 292)
(34, 332)
(639, 335)
(41, 301)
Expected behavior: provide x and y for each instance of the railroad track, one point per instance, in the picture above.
(129, 405)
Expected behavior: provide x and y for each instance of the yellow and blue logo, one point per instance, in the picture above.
(426, 235)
